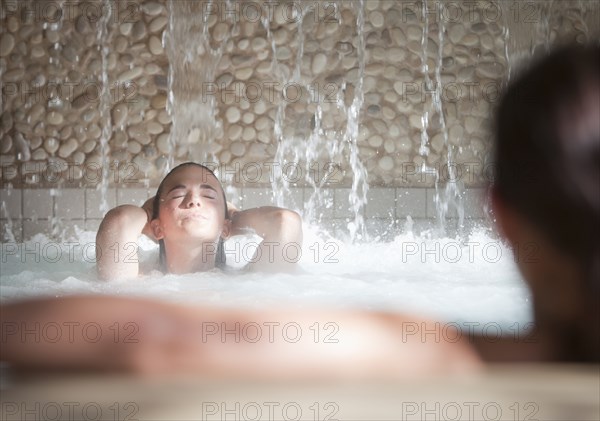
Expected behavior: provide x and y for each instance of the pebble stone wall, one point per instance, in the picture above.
(55, 114)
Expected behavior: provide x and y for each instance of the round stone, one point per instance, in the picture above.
(54, 118)
(389, 113)
(152, 8)
(224, 80)
(225, 156)
(249, 134)
(94, 131)
(158, 23)
(260, 107)
(155, 46)
(376, 19)
(119, 114)
(139, 133)
(487, 42)
(67, 148)
(386, 163)
(39, 155)
(164, 118)
(133, 146)
(456, 32)
(232, 115)
(259, 44)
(280, 36)
(159, 101)
(162, 143)
(131, 74)
(264, 136)
(12, 24)
(66, 132)
(38, 51)
(88, 146)
(138, 31)
(470, 40)
(244, 73)
(319, 63)
(152, 68)
(78, 157)
(125, 28)
(375, 141)
(6, 144)
(262, 123)
(7, 122)
(234, 132)
(220, 31)
(51, 145)
(389, 146)
(471, 124)
(121, 45)
(237, 149)
(414, 33)
(80, 102)
(283, 53)
(154, 128)
(248, 118)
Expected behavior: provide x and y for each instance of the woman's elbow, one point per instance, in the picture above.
(290, 224)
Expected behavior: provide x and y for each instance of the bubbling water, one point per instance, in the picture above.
(441, 278)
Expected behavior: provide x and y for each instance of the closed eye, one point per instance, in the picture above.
(176, 193)
(209, 194)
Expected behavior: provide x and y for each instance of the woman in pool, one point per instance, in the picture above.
(190, 218)
(546, 194)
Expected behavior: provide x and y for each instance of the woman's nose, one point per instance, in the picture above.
(193, 199)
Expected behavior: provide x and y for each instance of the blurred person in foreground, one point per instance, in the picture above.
(546, 193)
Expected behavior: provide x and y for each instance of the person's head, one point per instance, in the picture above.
(190, 207)
(546, 188)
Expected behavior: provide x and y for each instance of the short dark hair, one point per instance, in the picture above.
(547, 155)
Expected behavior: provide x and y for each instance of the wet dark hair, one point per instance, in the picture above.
(220, 260)
(547, 156)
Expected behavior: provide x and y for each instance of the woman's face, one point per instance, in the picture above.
(191, 207)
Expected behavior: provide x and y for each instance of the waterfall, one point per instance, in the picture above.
(193, 62)
(105, 104)
(360, 187)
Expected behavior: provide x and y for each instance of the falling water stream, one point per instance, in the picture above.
(105, 104)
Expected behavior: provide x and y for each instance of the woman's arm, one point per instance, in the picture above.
(116, 241)
(152, 337)
(281, 231)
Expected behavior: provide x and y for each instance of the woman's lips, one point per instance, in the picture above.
(195, 215)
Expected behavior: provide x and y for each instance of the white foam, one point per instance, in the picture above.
(473, 279)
